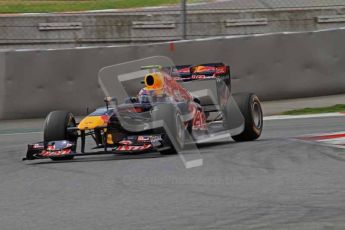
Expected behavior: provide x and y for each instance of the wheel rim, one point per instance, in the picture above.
(257, 114)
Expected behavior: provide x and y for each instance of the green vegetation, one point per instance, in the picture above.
(330, 109)
(43, 6)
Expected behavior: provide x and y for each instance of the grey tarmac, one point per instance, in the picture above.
(273, 183)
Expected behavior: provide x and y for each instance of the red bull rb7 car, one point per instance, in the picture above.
(175, 106)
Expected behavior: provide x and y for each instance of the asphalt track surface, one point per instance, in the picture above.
(274, 183)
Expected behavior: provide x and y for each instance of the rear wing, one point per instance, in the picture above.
(210, 70)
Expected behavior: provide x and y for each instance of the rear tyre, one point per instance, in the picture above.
(174, 128)
(250, 107)
(56, 128)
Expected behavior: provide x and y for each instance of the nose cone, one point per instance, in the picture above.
(92, 122)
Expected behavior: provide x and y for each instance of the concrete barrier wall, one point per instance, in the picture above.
(273, 66)
(2, 84)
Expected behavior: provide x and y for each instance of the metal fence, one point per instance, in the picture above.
(202, 19)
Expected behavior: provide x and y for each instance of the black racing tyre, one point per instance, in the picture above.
(55, 129)
(251, 109)
(174, 128)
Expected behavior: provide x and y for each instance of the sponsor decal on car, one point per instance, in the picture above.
(126, 142)
(54, 153)
(143, 139)
(38, 146)
(133, 147)
(199, 122)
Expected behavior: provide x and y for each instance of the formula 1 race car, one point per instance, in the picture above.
(177, 106)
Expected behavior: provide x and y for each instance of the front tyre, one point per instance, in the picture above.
(251, 109)
(56, 128)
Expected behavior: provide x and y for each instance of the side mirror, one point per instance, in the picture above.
(110, 99)
(107, 100)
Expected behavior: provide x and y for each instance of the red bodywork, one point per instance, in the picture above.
(179, 94)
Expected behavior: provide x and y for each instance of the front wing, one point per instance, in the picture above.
(62, 149)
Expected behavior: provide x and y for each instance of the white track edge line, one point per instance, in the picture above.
(286, 117)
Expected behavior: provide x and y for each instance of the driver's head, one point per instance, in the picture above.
(154, 81)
